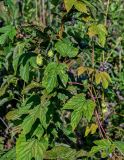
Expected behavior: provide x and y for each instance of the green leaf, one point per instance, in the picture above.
(81, 107)
(8, 31)
(88, 109)
(9, 155)
(80, 6)
(62, 68)
(50, 76)
(18, 51)
(38, 112)
(32, 85)
(65, 152)
(69, 4)
(60, 151)
(75, 102)
(3, 38)
(102, 145)
(65, 48)
(38, 131)
(24, 72)
(100, 31)
(33, 148)
(120, 146)
(75, 118)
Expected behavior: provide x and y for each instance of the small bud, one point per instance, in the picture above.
(39, 60)
(50, 53)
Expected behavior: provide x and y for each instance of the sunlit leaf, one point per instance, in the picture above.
(65, 48)
(80, 6)
(50, 76)
(81, 107)
(69, 4)
(29, 149)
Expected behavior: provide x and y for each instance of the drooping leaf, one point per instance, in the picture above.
(65, 48)
(102, 77)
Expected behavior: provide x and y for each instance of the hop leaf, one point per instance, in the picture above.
(69, 4)
(50, 76)
(32, 148)
(65, 48)
(102, 77)
(81, 107)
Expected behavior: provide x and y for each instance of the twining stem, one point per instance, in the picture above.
(105, 23)
(106, 13)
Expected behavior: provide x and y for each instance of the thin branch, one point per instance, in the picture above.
(4, 123)
(75, 83)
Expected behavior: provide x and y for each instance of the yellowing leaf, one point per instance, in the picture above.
(92, 30)
(105, 79)
(93, 128)
(81, 70)
(97, 78)
(80, 6)
(102, 77)
(50, 53)
(106, 75)
(98, 30)
(69, 4)
(87, 131)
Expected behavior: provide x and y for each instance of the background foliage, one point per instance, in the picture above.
(61, 79)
